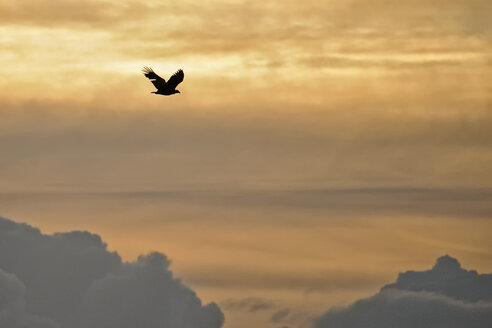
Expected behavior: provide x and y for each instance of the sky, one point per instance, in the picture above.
(316, 151)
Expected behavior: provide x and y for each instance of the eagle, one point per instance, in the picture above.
(164, 88)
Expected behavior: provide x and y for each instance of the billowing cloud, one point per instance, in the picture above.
(72, 279)
(406, 309)
(145, 293)
(446, 296)
(12, 305)
(449, 279)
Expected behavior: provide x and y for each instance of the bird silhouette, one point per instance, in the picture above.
(164, 88)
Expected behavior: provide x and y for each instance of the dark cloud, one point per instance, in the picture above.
(449, 279)
(56, 270)
(251, 304)
(72, 278)
(12, 305)
(291, 317)
(280, 316)
(446, 296)
(145, 293)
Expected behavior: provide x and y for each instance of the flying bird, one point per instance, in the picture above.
(164, 88)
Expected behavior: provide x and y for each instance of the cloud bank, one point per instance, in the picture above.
(72, 280)
(446, 296)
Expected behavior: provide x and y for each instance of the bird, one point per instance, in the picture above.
(164, 88)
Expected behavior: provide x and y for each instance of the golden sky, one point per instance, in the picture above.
(317, 148)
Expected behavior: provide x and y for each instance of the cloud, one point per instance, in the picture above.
(334, 143)
(446, 296)
(281, 315)
(89, 13)
(379, 99)
(250, 304)
(145, 292)
(12, 305)
(287, 316)
(72, 278)
(449, 279)
(405, 309)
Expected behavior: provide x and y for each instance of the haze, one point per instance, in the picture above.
(316, 150)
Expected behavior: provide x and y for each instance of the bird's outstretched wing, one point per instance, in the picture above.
(156, 80)
(176, 79)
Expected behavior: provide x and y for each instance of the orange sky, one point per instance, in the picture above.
(316, 150)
